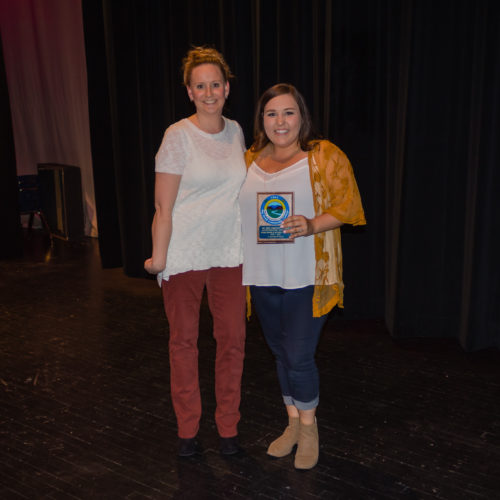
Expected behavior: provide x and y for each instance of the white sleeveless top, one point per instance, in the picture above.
(288, 265)
(206, 223)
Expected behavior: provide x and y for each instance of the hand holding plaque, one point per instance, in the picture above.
(272, 210)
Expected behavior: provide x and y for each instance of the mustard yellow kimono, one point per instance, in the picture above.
(335, 192)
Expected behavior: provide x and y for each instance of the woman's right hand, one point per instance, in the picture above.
(152, 268)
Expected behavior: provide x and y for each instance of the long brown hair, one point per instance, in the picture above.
(306, 132)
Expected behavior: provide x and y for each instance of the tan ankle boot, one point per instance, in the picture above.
(307, 447)
(283, 446)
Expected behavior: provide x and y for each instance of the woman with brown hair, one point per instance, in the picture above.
(302, 190)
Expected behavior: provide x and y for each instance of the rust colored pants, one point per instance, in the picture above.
(182, 295)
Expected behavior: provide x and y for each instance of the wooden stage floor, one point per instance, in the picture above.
(85, 409)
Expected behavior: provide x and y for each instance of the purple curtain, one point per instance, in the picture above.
(45, 65)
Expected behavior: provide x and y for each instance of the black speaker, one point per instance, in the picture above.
(61, 199)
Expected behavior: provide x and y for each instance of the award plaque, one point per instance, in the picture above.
(272, 210)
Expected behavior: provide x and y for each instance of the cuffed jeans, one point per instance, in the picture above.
(292, 334)
(182, 295)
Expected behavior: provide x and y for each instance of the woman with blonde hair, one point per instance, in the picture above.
(196, 235)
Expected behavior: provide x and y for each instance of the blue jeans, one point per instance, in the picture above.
(292, 334)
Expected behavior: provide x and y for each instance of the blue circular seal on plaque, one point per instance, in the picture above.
(274, 209)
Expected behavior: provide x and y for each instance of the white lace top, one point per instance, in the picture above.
(206, 224)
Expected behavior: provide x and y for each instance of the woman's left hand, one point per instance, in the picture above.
(297, 225)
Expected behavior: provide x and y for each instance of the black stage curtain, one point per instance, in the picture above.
(409, 90)
(11, 244)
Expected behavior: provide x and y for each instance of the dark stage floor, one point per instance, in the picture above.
(85, 409)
